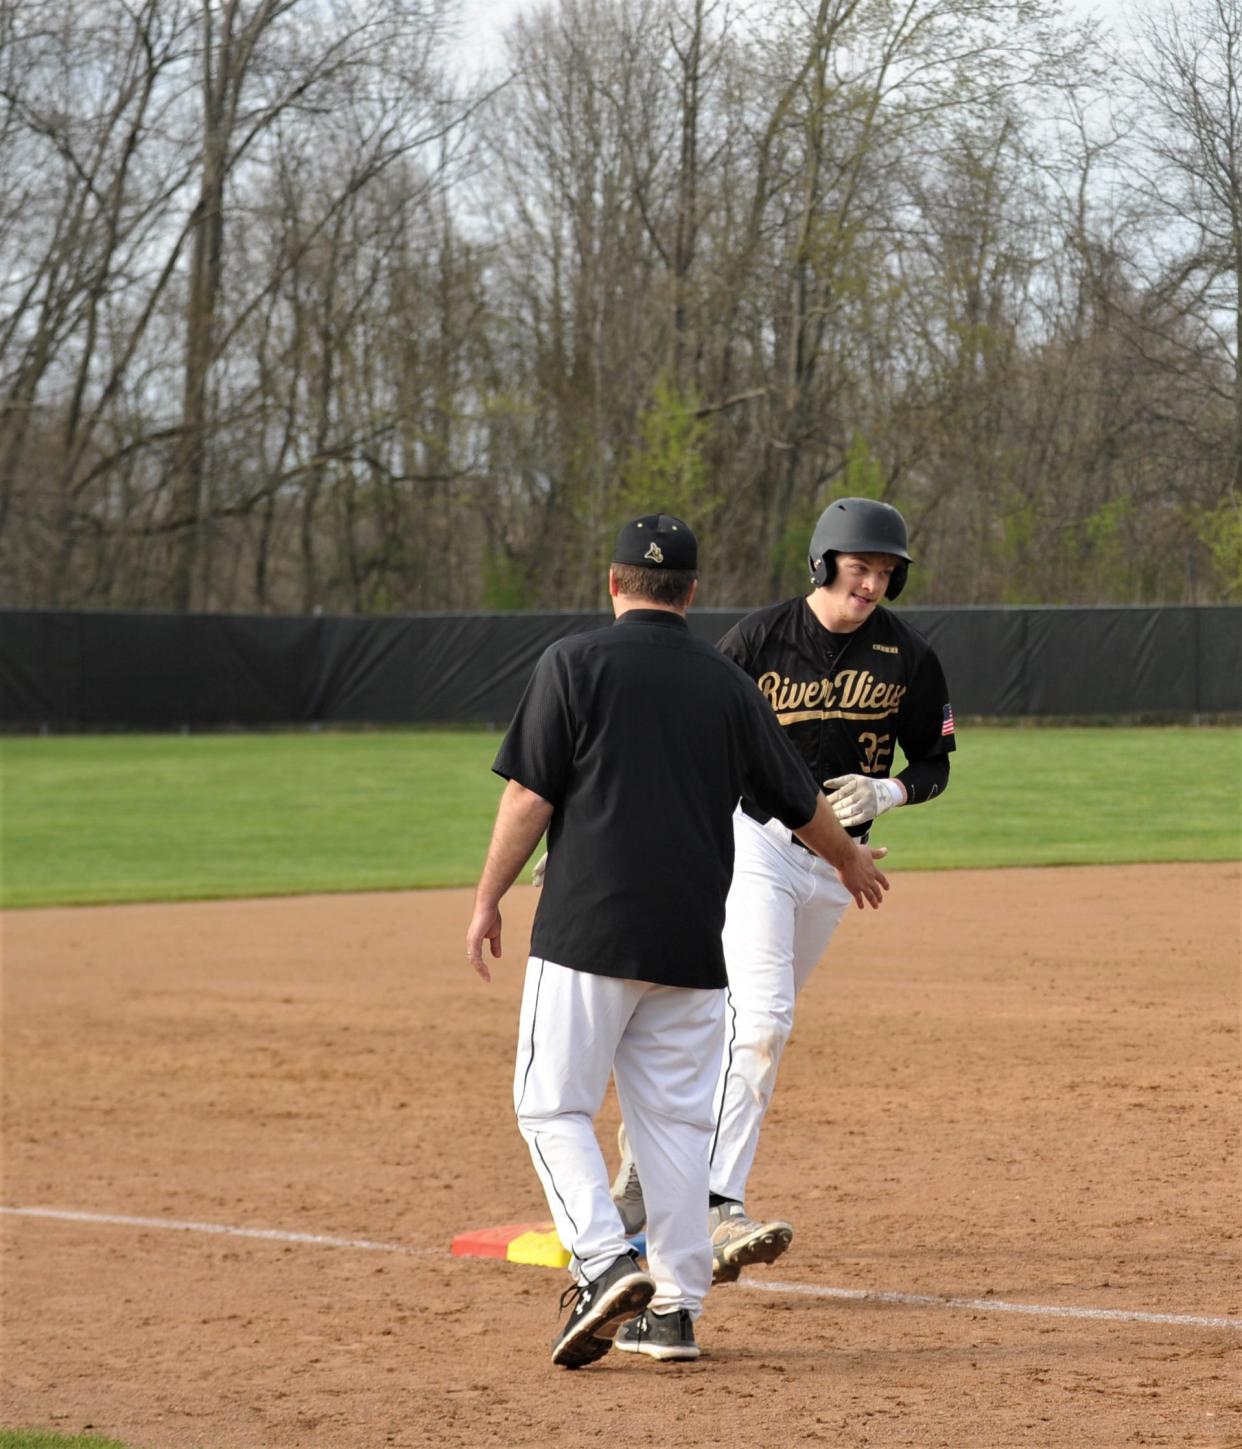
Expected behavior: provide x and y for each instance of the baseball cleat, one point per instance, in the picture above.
(739, 1241)
(666, 1336)
(627, 1191)
(600, 1308)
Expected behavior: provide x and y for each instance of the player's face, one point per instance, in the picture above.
(861, 582)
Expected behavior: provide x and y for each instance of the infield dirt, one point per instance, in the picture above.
(1016, 1086)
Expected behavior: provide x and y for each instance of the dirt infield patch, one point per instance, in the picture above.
(1014, 1087)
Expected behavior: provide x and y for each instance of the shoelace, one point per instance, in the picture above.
(583, 1291)
(573, 1292)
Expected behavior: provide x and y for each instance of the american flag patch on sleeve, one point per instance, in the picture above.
(946, 725)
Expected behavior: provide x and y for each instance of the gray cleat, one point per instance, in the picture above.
(739, 1241)
(627, 1191)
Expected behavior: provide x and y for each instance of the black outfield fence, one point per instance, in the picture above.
(69, 670)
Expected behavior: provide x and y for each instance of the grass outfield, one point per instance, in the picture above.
(40, 1439)
(94, 819)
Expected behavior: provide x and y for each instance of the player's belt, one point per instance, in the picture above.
(861, 839)
(761, 819)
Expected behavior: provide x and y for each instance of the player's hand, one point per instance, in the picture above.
(536, 875)
(862, 878)
(855, 799)
(484, 926)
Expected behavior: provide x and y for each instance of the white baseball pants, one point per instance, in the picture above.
(783, 907)
(662, 1044)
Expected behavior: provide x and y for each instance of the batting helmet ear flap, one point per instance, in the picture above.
(824, 569)
(897, 582)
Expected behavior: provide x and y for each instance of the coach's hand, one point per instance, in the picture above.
(855, 799)
(861, 878)
(484, 926)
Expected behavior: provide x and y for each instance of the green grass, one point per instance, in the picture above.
(1078, 797)
(89, 819)
(40, 1439)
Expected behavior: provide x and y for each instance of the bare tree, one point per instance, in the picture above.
(259, 63)
(81, 235)
(142, 178)
(287, 323)
(1191, 70)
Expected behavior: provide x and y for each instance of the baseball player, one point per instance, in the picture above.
(848, 681)
(631, 746)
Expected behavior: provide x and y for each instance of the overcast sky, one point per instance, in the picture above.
(483, 20)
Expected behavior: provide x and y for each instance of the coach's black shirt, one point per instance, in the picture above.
(644, 738)
(846, 701)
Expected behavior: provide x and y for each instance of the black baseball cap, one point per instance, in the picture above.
(657, 541)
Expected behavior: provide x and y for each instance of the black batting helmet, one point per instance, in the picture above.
(858, 525)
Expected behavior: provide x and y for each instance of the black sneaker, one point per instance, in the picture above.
(666, 1336)
(600, 1308)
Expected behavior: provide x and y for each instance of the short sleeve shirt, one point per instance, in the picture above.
(643, 739)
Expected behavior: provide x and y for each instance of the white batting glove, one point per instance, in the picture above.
(855, 799)
(536, 875)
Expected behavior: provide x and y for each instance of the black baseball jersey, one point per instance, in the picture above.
(846, 701)
(643, 738)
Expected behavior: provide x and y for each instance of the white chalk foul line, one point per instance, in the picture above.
(808, 1290)
(275, 1235)
(993, 1305)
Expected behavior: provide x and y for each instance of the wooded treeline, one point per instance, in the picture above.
(295, 314)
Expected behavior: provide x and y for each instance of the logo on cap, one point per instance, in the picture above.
(655, 554)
